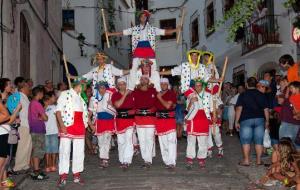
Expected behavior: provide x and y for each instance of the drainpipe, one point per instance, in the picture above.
(46, 13)
(2, 56)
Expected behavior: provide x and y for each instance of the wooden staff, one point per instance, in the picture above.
(105, 28)
(214, 102)
(223, 75)
(67, 70)
(181, 25)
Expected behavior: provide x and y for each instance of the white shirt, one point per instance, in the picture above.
(144, 33)
(4, 129)
(100, 74)
(233, 100)
(102, 105)
(51, 124)
(201, 72)
(77, 103)
(24, 111)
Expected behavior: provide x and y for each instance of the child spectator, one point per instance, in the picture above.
(295, 98)
(51, 139)
(37, 118)
(281, 168)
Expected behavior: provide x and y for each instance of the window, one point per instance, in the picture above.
(228, 4)
(68, 20)
(194, 29)
(168, 24)
(210, 18)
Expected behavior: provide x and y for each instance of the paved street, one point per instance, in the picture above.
(219, 174)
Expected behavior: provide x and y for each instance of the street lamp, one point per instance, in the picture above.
(81, 39)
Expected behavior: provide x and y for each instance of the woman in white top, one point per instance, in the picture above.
(231, 109)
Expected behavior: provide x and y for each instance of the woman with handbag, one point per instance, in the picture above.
(6, 139)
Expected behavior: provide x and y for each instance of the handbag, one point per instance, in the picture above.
(13, 134)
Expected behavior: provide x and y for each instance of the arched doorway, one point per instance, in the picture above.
(269, 66)
(24, 47)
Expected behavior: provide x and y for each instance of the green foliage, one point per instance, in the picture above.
(240, 13)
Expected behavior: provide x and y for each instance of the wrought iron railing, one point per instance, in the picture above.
(260, 32)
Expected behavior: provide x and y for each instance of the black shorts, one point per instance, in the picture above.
(4, 146)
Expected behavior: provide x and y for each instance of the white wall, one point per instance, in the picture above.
(44, 54)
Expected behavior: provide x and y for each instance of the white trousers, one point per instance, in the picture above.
(168, 148)
(191, 147)
(146, 139)
(125, 146)
(104, 141)
(133, 77)
(64, 155)
(231, 116)
(217, 137)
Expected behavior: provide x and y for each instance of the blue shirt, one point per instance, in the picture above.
(253, 103)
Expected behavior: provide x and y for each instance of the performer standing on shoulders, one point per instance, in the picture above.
(166, 124)
(144, 100)
(143, 46)
(123, 102)
(72, 117)
(101, 110)
(198, 120)
(189, 71)
(104, 72)
(213, 88)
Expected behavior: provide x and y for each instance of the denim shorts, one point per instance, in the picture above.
(289, 130)
(252, 130)
(51, 144)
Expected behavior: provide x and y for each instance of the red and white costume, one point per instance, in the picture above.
(166, 128)
(104, 121)
(198, 120)
(124, 127)
(74, 115)
(145, 121)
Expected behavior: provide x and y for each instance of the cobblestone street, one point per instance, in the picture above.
(218, 174)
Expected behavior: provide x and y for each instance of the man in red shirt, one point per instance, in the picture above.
(144, 100)
(166, 124)
(124, 104)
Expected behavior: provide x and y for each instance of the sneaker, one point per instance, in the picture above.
(170, 167)
(39, 176)
(202, 163)
(103, 164)
(146, 165)
(189, 165)
(209, 153)
(62, 180)
(221, 153)
(8, 183)
(77, 179)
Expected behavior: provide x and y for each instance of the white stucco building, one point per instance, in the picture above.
(84, 17)
(252, 55)
(31, 40)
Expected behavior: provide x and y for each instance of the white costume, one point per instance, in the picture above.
(139, 36)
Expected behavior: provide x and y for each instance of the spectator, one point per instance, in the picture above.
(5, 121)
(6, 89)
(231, 109)
(271, 91)
(22, 161)
(30, 83)
(49, 86)
(226, 95)
(37, 118)
(51, 139)
(289, 125)
(179, 111)
(252, 116)
(61, 87)
(293, 69)
(295, 98)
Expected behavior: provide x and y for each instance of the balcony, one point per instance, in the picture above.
(260, 34)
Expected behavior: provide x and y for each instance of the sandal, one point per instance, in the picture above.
(260, 164)
(8, 183)
(243, 164)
